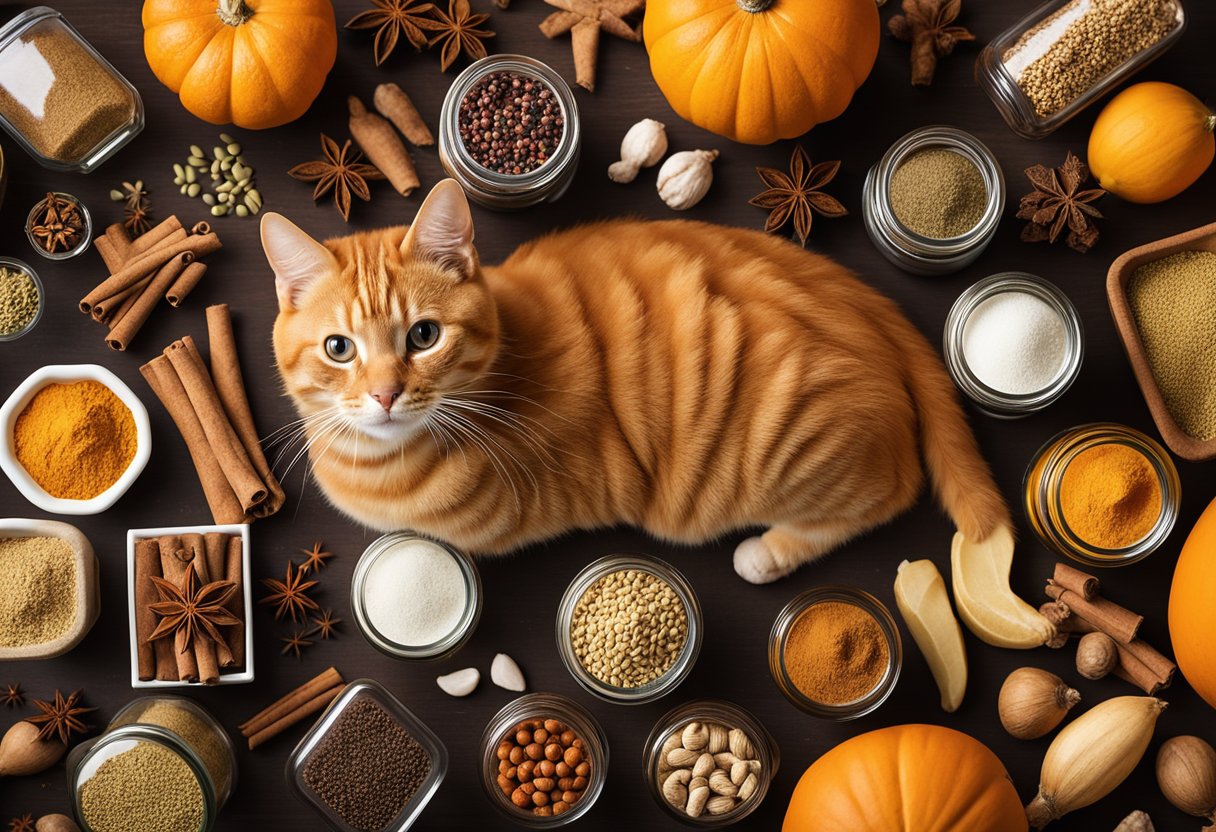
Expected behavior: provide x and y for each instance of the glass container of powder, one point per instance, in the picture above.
(1013, 344)
(414, 598)
(64, 103)
(21, 299)
(933, 202)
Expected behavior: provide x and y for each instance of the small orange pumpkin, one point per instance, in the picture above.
(760, 70)
(907, 778)
(1192, 613)
(252, 63)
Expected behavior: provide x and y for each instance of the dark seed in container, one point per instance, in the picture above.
(510, 123)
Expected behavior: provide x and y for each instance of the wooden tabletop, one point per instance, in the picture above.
(522, 591)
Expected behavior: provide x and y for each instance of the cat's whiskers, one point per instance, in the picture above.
(277, 435)
(527, 434)
(327, 425)
(473, 433)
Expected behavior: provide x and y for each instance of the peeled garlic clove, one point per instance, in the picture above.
(643, 146)
(685, 178)
(459, 683)
(1033, 702)
(22, 753)
(505, 673)
(1186, 773)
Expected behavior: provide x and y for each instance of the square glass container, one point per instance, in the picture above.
(357, 690)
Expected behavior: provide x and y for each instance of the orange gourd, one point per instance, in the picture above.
(1151, 142)
(1192, 613)
(760, 70)
(907, 778)
(252, 63)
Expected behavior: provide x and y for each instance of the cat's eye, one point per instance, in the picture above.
(423, 335)
(340, 348)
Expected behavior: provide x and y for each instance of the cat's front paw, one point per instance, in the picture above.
(755, 563)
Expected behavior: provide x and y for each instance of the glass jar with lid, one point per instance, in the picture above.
(163, 764)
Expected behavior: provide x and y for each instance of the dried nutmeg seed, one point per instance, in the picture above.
(1186, 773)
(1097, 655)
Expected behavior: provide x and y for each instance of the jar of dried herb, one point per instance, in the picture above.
(59, 98)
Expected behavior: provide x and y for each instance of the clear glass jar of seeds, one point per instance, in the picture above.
(167, 758)
(27, 297)
(1066, 54)
(472, 123)
(38, 216)
(594, 662)
(933, 202)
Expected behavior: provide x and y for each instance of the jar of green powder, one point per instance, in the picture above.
(163, 764)
(933, 202)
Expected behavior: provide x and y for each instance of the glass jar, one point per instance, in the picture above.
(1008, 66)
(171, 734)
(544, 706)
(1042, 493)
(86, 229)
(995, 402)
(500, 191)
(780, 634)
(443, 647)
(914, 252)
(680, 668)
(331, 726)
(13, 264)
(724, 713)
(59, 98)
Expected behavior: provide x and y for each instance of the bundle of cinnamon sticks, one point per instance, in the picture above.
(165, 263)
(301, 703)
(214, 557)
(1076, 608)
(211, 411)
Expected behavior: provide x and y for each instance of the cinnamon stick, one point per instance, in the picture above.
(132, 321)
(200, 245)
(174, 561)
(1130, 669)
(1160, 666)
(154, 236)
(392, 103)
(216, 545)
(147, 564)
(110, 310)
(207, 653)
(291, 701)
(1075, 580)
(185, 284)
(585, 41)
(383, 147)
(1118, 623)
(234, 571)
(306, 710)
(117, 237)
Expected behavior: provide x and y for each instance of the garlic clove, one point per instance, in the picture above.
(685, 178)
(1032, 702)
(644, 145)
(505, 673)
(460, 682)
(1186, 773)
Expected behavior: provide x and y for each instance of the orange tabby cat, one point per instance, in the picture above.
(687, 378)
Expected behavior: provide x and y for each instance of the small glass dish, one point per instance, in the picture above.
(86, 230)
(784, 624)
(13, 264)
(445, 646)
(710, 711)
(914, 252)
(679, 669)
(499, 191)
(544, 706)
(367, 689)
(1042, 498)
(988, 399)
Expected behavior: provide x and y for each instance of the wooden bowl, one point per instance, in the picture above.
(1121, 271)
(87, 600)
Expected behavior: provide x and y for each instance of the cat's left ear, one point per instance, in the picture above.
(443, 230)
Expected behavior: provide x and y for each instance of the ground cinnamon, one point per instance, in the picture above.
(835, 653)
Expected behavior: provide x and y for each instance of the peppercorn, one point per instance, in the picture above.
(510, 123)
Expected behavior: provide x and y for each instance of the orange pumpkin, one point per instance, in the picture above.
(1192, 613)
(907, 778)
(252, 63)
(760, 70)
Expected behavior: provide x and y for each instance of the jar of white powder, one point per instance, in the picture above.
(414, 598)
(1013, 344)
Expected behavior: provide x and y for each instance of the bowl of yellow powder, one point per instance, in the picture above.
(75, 438)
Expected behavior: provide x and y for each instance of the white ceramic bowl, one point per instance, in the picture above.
(67, 373)
(241, 531)
(87, 600)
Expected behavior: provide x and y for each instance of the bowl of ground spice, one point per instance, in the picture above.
(835, 652)
(1163, 300)
(20, 299)
(48, 588)
(75, 438)
(1103, 494)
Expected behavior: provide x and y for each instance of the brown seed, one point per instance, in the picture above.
(506, 784)
(504, 749)
(583, 769)
(545, 784)
(523, 737)
(560, 806)
(528, 789)
(504, 766)
(572, 756)
(562, 770)
(553, 752)
(516, 755)
(543, 811)
(546, 768)
(567, 738)
(540, 735)
(580, 783)
(535, 751)
(540, 798)
(569, 797)
(553, 726)
(520, 798)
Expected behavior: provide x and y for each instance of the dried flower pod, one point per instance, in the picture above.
(685, 178)
(1186, 773)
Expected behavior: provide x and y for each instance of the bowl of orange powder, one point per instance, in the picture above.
(75, 438)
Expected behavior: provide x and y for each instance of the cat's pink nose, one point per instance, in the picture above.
(385, 396)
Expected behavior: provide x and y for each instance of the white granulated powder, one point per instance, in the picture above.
(1015, 342)
(1035, 43)
(414, 593)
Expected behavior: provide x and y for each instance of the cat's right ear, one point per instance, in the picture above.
(296, 258)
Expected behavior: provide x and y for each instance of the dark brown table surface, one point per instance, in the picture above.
(522, 591)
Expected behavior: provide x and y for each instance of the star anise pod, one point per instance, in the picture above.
(290, 594)
(314, 558)
(60, 718)
(1058, 202)
(326, 625)
(391, 19)
(22, 824)
(60, 226)
(189, 612)
(458, 32)
(295, 643)
(136, 220)
(926, 24)
(797, 194)
(340, 171)
(13, 696)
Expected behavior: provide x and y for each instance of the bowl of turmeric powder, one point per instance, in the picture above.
(75, 438)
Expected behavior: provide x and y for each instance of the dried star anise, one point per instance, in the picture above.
(340, 171)
(295, 643)
(326, 625)
(137, 211)
(60, 718)
(59, 226)
(797, 194)
(290, 594)
(926, 25)
(391, 19)
(13, 696)
(314, 558)
(24, 823)
(458, 33)
(188, 611)
(1058, 202)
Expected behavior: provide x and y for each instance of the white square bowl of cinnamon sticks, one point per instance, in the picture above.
(159, 664)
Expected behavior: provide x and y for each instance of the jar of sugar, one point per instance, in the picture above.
(414, 598)
(1013, 344)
